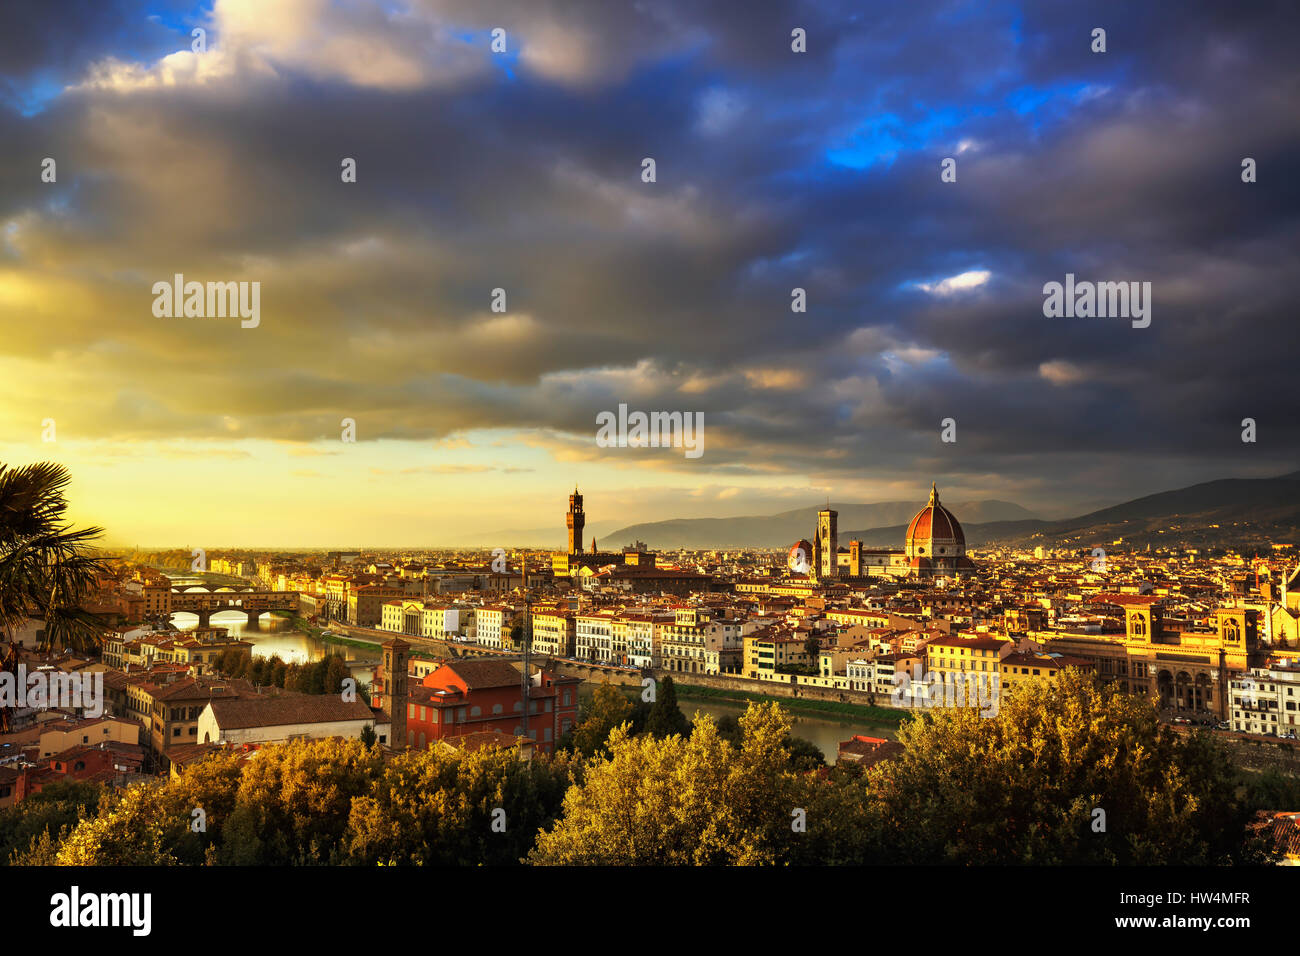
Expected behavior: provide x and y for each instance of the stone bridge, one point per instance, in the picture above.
(211, 588)
(253, 603)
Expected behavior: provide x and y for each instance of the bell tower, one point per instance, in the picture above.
(392, 694)
(828, 551)
(575, 520)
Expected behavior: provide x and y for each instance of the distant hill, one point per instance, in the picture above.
(554, 536)
(1237, 511)
(780, 530)
(1245, 509)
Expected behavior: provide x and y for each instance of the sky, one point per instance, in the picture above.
(522, 170)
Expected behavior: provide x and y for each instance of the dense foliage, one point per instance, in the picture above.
(324, 676)
(1067, 772)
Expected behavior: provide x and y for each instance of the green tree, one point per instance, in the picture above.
(58, 806)
(812, 646)
(43, 850)
(666, 718)
(157, 825)
(1272, 790)
(728, 727)
(676, 800)
(316, 676)
(368, 735)
(47, 567)
(446, 808)
(605, 710)
(258, 670)
(804, 754)
(293, 802)
(336, 671)
(1024, 786)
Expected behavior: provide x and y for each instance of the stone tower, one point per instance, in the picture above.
(828, 541)
(575, 519)
(393, 701)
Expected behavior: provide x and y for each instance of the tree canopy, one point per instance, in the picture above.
(1068, 772)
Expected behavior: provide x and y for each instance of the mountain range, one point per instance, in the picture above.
(1230, 510)
(787, 527)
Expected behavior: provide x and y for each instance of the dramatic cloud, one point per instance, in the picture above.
(522, 171)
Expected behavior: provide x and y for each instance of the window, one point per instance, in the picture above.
(476, 711)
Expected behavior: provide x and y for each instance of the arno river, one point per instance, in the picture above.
(275, 635)
(826, 732)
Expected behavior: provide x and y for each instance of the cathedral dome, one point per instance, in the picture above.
(935, 533)
(801, 556)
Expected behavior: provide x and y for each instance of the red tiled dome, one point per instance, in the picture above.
(800, 558)
(936, 522)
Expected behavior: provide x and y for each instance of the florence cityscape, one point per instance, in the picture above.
(798, 434)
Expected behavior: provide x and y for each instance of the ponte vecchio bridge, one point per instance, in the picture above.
(253, 603)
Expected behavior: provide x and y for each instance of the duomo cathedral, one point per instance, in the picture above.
(934, 546)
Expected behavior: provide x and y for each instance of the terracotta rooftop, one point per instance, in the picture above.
(244, 712)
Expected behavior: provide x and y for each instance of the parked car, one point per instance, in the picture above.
(1181, 720)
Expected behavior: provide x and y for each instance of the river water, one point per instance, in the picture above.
(826, 732)
(276, 635)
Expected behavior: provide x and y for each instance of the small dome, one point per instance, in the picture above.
(800, 558)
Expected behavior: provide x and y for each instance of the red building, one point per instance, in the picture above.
(100, 764)
(476, 696)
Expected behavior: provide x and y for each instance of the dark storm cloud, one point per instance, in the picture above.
(775, 170)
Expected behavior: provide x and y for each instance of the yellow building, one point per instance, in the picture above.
(1187, 668)
(59, 735)
(554, 632)
(971, 665)
(769, 650)
(1019, 667)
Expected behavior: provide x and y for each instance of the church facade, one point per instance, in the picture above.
(934, 546)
